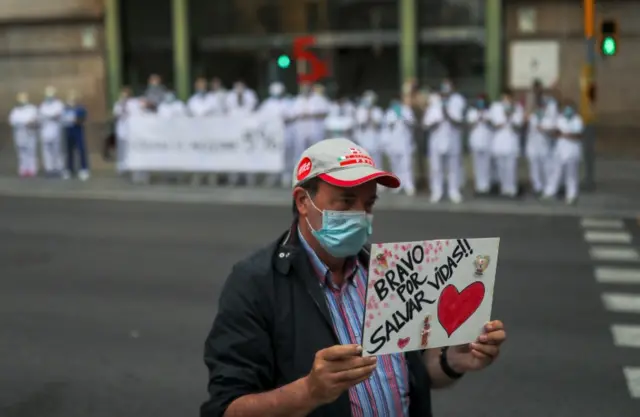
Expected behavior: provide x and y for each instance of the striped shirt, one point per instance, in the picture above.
(386, 393)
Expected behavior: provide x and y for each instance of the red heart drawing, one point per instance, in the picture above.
(454, 308)
(402, 343)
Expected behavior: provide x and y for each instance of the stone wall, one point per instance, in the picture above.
(59, 43)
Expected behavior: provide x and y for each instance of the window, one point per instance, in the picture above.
(434, 13)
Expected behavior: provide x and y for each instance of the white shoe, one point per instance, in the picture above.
(84, 175)
(66, 175)
(436, 198)
(571, 201)
(411, 192)
(456, 198)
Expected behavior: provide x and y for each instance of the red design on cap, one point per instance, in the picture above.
(304, 168)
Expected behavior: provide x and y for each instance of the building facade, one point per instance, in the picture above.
(96, 46)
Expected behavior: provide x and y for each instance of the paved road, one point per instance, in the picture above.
(104, 307)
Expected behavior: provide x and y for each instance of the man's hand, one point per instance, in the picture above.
(480, 354)
(336, 369)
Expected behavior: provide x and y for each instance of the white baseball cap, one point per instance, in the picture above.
(342, 163)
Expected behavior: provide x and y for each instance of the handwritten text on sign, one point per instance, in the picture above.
(428, 294)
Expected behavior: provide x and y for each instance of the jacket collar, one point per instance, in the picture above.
(290, 259)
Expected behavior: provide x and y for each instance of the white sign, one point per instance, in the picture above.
(234, 144)
(527, 20)
(532, 60)
(89, 38)
(428, 294)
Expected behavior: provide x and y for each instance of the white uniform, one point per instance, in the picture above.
(241, 101)
(123, 110)
(276, 108)
(218, 101)
(538, 150)
(506, 145)
(480, 138)
(304, 126)
(22, 119)
(201, 105)
(397, 143)
(445, 145)
(567, 155)
(369, 121)
(50, 115)
(291, 149)
(341, 121)
(175, 108)
(320, 109)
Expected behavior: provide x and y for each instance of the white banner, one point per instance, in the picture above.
(234, 144)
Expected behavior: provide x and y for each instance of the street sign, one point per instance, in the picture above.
(531, 60)
(316, 68)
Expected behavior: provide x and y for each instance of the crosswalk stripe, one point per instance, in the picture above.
(612, 253)
(621, 303)
(590, 222)
(633, 381)
(607, 237)
(606, 275)
(626, 335)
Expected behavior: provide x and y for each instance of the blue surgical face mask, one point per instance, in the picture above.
(396, 106)
(343, 233)
(568, 112)
(480, 104)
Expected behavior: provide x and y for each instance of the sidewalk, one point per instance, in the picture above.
(113, 188)
(617, 194)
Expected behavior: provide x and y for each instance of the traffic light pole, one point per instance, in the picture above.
(587, 80)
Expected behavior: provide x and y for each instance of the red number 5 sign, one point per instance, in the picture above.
(317, 69)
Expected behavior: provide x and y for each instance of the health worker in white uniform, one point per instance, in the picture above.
(538, 147)
(303, 109)
(200, 104)
(397, 143)
(369, 118)
(121, 111)
(23, 119)
(129, 108)
(507, 118)
(205, 104)
(480, 138)
(320, 109)
(275, 108)
(341, 120)
(291, 151)
(444, 120)
(171, 106)
(241, 101)
(567, 154)
(218, 96)
(50, 120)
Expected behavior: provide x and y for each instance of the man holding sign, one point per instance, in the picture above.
(287, 339)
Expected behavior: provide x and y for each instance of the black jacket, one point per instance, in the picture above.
(271, 321)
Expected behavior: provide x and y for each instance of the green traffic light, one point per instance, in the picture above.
(284, 61)
(609, 46)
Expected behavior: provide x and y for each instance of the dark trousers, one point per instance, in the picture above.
(76, 144)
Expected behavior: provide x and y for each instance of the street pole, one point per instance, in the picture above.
(586, 104)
